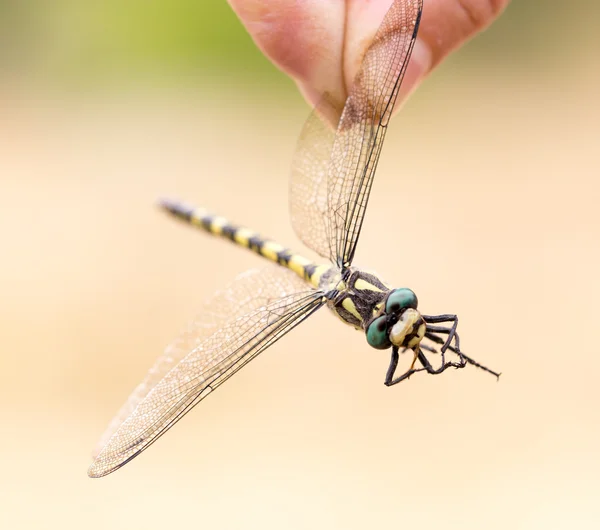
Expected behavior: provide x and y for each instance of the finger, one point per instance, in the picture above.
(304, 39)
(448, 24)
(321, 44)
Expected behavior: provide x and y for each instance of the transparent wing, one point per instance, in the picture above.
(334, 172)
(249, 291)
(308, 182)
(234, 327)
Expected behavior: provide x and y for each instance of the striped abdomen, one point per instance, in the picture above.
(267, 248)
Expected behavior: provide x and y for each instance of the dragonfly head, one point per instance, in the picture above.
(398, 323)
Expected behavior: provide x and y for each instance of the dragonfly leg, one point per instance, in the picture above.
(438, 319)
(475, 363)
(427, 348)
(427, 366)
(461, 355)
(389, 378)
(443, 366)
(438, 340)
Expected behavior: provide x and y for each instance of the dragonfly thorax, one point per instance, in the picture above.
(356, 296)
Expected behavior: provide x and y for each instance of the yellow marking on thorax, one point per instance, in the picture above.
(363, 285)
(217, 224)
(242, 236)
(374, 273)
(316, 276)
(349, 306)
(377, 308)
(270, 249)
(297, 264)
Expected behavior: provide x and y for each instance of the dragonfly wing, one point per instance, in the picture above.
(236, 325)
(333, 171)
(308, 182)
(364, 122)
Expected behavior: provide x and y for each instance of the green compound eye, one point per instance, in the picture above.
(401, 299)
(377, 334)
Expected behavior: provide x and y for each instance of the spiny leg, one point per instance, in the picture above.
(389, 378)
(485, 368)
(472, 361)
(425, 361)
(428, 348)
(451, 332)
(456, 350)
(444, 365)
(438, 319)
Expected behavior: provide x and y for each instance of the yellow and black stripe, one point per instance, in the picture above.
(267, 248)
(360, 299)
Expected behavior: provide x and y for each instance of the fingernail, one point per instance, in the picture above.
(418, 68)
(421, 56)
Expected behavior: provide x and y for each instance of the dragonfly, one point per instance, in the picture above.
(331, 180)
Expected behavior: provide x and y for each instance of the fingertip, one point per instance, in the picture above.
(447, 24)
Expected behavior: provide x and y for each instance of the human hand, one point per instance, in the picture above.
(321, 43)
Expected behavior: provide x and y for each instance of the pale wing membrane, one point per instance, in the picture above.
(249, 291)
(216, 346)
(364, 122)
(308, 182)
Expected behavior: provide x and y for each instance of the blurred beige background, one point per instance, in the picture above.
(105, 109)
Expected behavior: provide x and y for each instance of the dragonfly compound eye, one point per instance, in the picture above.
(401, 299)
(409, 330)
(377, 333)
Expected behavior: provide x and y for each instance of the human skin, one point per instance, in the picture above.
(321, 43)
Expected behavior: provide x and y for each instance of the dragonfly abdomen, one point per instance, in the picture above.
(247, 238)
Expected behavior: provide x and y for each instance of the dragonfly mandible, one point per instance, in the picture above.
(332, 176)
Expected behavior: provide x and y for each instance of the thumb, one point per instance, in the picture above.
(321, 44)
